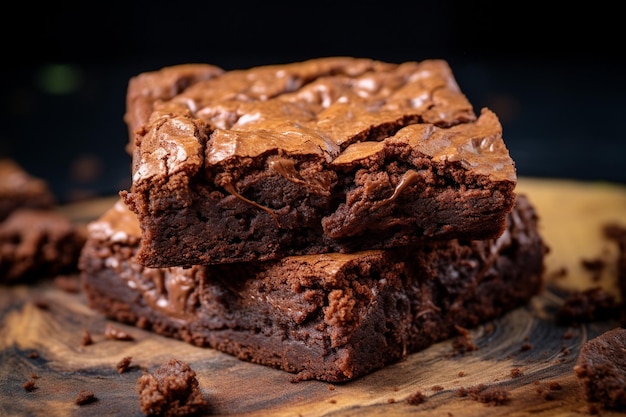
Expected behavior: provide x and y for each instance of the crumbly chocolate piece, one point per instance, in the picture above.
(329, 155)
(29, 385)
(416, 398)
(86, 339)
(20, 189)
(490, 395)
(331, 317)
(85, 396)
(37, 244)
(124, 364)
(171, 390)
(601, 369)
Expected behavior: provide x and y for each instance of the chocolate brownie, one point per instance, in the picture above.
(331, 317)
(37, 244)
(332, 154)
(18, 188)
(171, 390)
(601, 369)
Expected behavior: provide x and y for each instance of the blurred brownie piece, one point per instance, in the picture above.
(37, 244)
(331, 317)
(19, 189)
(333, 154)
(601, 370)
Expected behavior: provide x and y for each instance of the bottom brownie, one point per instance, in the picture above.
(330, 317)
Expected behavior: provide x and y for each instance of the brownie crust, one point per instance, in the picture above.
(329, 155)
(331, 317)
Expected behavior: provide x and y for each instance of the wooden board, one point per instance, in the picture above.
(46, 342)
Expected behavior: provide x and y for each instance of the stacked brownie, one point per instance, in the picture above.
(325, 217)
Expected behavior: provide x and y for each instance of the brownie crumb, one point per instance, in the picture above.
(461, 374)
(29, 386)
(416, 398)
(437, 388)
(546, 391)
(585, 306)
(33, 355)
(84, 397)
(171, 390)
(87, 340)
(67, 283)
(112, 332)
(41, 304)
(34, 376)
(391, 400)
(463, 342)
(526, 347)
(331, 387)
(486, 395)
(516, 373)
(124, 364)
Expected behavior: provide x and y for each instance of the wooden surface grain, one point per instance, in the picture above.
(523, 353)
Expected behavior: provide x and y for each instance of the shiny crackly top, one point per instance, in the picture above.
(340, 109)
(120, 225)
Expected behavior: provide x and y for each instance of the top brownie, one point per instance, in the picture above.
(333, 154)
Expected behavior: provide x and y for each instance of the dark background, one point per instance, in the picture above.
(555, 77)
